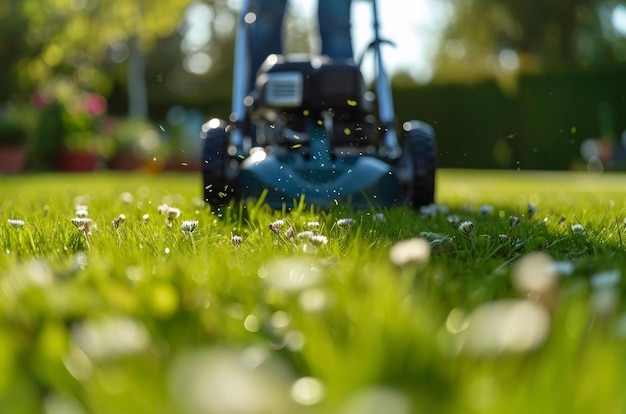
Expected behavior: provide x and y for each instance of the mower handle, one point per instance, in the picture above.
(240, 77)
(383, 92)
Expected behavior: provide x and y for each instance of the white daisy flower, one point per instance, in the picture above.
(126, 197)
(411, 251)
(429, 210)
(289, 233)
(378, 217)
(173, 213)
(345, 223)
(453, 219)
(16, 224)
(466, 227)
(84, 224)
(163, 208)
(578, 229)
(318, 240)
(83, 212)
(189, 226)
(119, 220)
(432, 209)
(276, 226)
(606, 279)
(313, 225)
(485, 209)
(305, 235)
(563, 267)
(236, 240)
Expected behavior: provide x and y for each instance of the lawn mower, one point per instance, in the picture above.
(314, 136)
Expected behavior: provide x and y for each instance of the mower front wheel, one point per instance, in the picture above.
(218, 186)
(420, 153)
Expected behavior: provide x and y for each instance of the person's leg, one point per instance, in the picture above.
(334, 25)
(266, 33)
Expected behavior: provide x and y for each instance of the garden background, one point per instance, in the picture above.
(534, 85)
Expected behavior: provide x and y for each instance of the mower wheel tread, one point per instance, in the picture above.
(420, 143)
(218, 187)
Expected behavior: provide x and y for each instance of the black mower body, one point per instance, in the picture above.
(307, 132)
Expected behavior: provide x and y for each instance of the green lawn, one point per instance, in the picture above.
(123, 293)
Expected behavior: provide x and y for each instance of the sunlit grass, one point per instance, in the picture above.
(253, 310)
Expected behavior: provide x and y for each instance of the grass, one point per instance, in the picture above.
(147, 318)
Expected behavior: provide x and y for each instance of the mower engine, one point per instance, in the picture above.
(290, 92)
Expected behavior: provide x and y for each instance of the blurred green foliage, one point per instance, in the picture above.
(516, 84)
(13, 127)
(541, 125)
(550, 36)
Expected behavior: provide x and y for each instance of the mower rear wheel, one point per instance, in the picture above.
(421, 150)
(218, 186)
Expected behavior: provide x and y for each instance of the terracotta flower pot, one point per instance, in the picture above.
(12, 158)
(125, 161)
(77, 161)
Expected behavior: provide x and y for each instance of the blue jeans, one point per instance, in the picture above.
(266, 36)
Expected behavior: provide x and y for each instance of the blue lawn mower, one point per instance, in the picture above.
(316, 138)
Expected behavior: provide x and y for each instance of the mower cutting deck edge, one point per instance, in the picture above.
(316, 138)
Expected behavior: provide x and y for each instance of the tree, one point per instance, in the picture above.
(72, 38)
(13, 47)
(489, 36)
